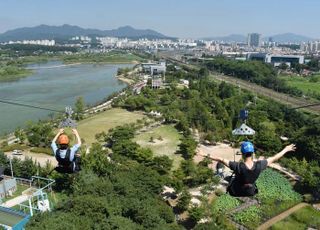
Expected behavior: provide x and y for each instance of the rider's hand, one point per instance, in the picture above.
(61, 131)
(290, 148)
(74, 131)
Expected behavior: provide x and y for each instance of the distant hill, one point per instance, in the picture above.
(281, 38)
(67, 31)
(289, 37)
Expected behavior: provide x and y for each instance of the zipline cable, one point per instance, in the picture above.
(29, 106)
(24, 101)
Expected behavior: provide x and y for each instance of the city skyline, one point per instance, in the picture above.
(192, 19)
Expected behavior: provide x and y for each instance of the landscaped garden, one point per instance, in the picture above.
(275, 196)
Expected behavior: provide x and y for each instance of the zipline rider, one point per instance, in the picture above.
(68, 162)
(247, 172)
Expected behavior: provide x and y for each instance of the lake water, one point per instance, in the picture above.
(54, 86)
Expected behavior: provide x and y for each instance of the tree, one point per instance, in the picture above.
(39, 134)
(162, 164)
(203, 72)
(20, 134)
(267, 139)
(226, 90)
(119, 133)
(184, 201)
(187, 147)
(196, 213)
(283, 66)
(97, 160)
(79, 108)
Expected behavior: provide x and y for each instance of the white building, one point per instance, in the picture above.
(276, 59)
(154, 68)
(35, 42)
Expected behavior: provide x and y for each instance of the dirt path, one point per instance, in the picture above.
(40, 158)
(281, 216)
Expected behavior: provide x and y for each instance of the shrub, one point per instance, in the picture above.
(250, 217)
(225, 203)
(273, 186)
(10, 148)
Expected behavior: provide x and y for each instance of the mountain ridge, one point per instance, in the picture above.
(66, 31)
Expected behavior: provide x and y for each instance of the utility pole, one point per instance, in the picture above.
(11, 166)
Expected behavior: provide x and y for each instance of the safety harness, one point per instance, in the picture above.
(64, 164)
(243, 181)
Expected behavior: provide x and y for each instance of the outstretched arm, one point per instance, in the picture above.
(220, 159)
(75, 132)
(58, 134)
(276, 157)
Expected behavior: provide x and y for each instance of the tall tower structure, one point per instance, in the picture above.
(254, 40)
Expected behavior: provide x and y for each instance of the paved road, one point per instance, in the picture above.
(281, 216)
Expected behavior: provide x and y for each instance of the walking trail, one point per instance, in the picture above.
(281, 216)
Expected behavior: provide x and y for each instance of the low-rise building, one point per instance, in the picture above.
(154, 68)
(276, 59)
(7, 186)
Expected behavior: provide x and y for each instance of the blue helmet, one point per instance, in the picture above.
(247, 147)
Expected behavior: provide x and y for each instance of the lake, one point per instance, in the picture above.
(55, 86)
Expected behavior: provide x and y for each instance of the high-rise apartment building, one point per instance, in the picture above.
(254, 40)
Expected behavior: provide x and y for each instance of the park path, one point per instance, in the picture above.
(15, 201)
(281, 216)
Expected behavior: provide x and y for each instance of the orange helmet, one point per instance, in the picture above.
(63, 139)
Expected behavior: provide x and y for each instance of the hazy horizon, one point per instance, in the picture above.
(203, 18)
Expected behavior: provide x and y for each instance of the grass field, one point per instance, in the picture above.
(167, 146)
(302, 219)
(303, 83)
(104, 121)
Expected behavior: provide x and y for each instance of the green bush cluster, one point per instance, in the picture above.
(225, 203)
(250, 217)
(275, 187)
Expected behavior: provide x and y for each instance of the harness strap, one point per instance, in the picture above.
(64, 161)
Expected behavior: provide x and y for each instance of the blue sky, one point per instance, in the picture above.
(181, 18)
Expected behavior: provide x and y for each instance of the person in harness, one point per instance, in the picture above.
(68, 161)
(247, 172)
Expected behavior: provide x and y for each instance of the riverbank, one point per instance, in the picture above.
(13, 74)
(53, 67)
(102, 58)
(125, 80)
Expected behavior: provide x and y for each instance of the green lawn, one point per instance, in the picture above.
(104, 121)
(303, 83)
(301, 219)
(167, 146)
